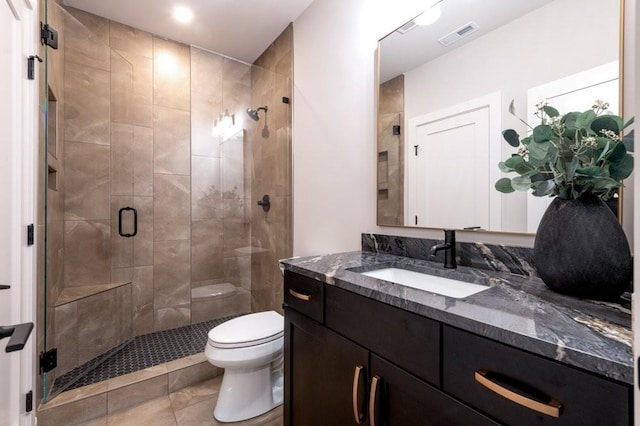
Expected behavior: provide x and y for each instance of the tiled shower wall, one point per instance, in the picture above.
(390, 152)
(221, 183)
(271, 149)
(133, 107)
(138, 117)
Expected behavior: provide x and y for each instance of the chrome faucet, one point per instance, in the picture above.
(449, 247)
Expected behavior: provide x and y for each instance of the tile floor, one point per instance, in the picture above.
(139, 353)
(190, 406)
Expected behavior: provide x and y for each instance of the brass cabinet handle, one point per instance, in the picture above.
(298, 295)
(542, 403)
(373, 399)
(357, 376)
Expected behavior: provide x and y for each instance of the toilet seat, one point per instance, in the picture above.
(248, 330)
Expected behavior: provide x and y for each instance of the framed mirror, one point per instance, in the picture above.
(444, 95)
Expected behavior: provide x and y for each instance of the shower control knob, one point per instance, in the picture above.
(265, 203)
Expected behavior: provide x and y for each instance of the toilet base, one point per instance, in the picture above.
(249, 393)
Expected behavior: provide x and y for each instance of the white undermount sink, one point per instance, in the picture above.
(439, 285)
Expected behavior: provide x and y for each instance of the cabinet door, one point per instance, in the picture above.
(320, 368)
(401, 399)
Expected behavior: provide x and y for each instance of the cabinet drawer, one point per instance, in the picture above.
(304, 294)
(490, 376)
(408, 340)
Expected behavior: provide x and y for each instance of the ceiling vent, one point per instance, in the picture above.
(457, 35)
(407, 27)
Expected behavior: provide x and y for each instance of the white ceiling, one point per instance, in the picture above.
(242, 29)
(403, 52)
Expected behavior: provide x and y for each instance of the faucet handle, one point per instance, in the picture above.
(449, 235)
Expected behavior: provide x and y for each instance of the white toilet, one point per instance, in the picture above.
(249, 348)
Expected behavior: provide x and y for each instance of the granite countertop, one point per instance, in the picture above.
(516, 310)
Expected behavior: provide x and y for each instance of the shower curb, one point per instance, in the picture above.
(110, 396)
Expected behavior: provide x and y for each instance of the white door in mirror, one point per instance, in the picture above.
(448, 165)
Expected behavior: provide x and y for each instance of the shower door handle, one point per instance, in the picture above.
(135, 222)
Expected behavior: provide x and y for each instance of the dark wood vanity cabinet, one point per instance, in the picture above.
(352, 360)
(332, 379)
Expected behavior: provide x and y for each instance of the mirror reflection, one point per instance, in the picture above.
(444, 94)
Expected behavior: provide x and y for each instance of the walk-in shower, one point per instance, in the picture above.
(133, 136)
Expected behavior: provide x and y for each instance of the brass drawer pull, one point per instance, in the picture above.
(298, 295)
(358, 415)
(373, 399)
(537, 401)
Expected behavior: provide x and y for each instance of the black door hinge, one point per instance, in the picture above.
(30, 235)
(48, 360)
(285, 100)
(31, 73)
(28, 402)
(416, 220)
(396, 130)
(48, 36)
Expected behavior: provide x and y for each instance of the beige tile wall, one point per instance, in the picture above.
(271, 150)
(220, 162)
(390, 152)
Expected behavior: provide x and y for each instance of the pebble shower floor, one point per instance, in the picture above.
(139, 353)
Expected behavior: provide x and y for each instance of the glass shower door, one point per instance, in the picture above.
(48, 127)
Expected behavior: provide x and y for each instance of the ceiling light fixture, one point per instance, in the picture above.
(431, 15)
(182, 14)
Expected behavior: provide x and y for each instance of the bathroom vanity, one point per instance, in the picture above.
(360, 350)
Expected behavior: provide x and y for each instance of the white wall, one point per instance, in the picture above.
(334, 164)
(512, 59)
(334, 168)
(333, 129)
(517, 56)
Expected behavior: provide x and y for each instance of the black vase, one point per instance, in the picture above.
(581, 250)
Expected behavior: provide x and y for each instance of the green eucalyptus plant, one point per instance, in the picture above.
(569, 155)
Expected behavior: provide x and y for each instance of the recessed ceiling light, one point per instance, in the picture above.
(182, 14)
(429, 16)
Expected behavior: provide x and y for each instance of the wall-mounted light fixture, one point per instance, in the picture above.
(223, 123)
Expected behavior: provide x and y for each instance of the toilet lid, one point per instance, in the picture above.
(248, 330)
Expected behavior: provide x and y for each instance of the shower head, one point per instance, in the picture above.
(253, 113)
